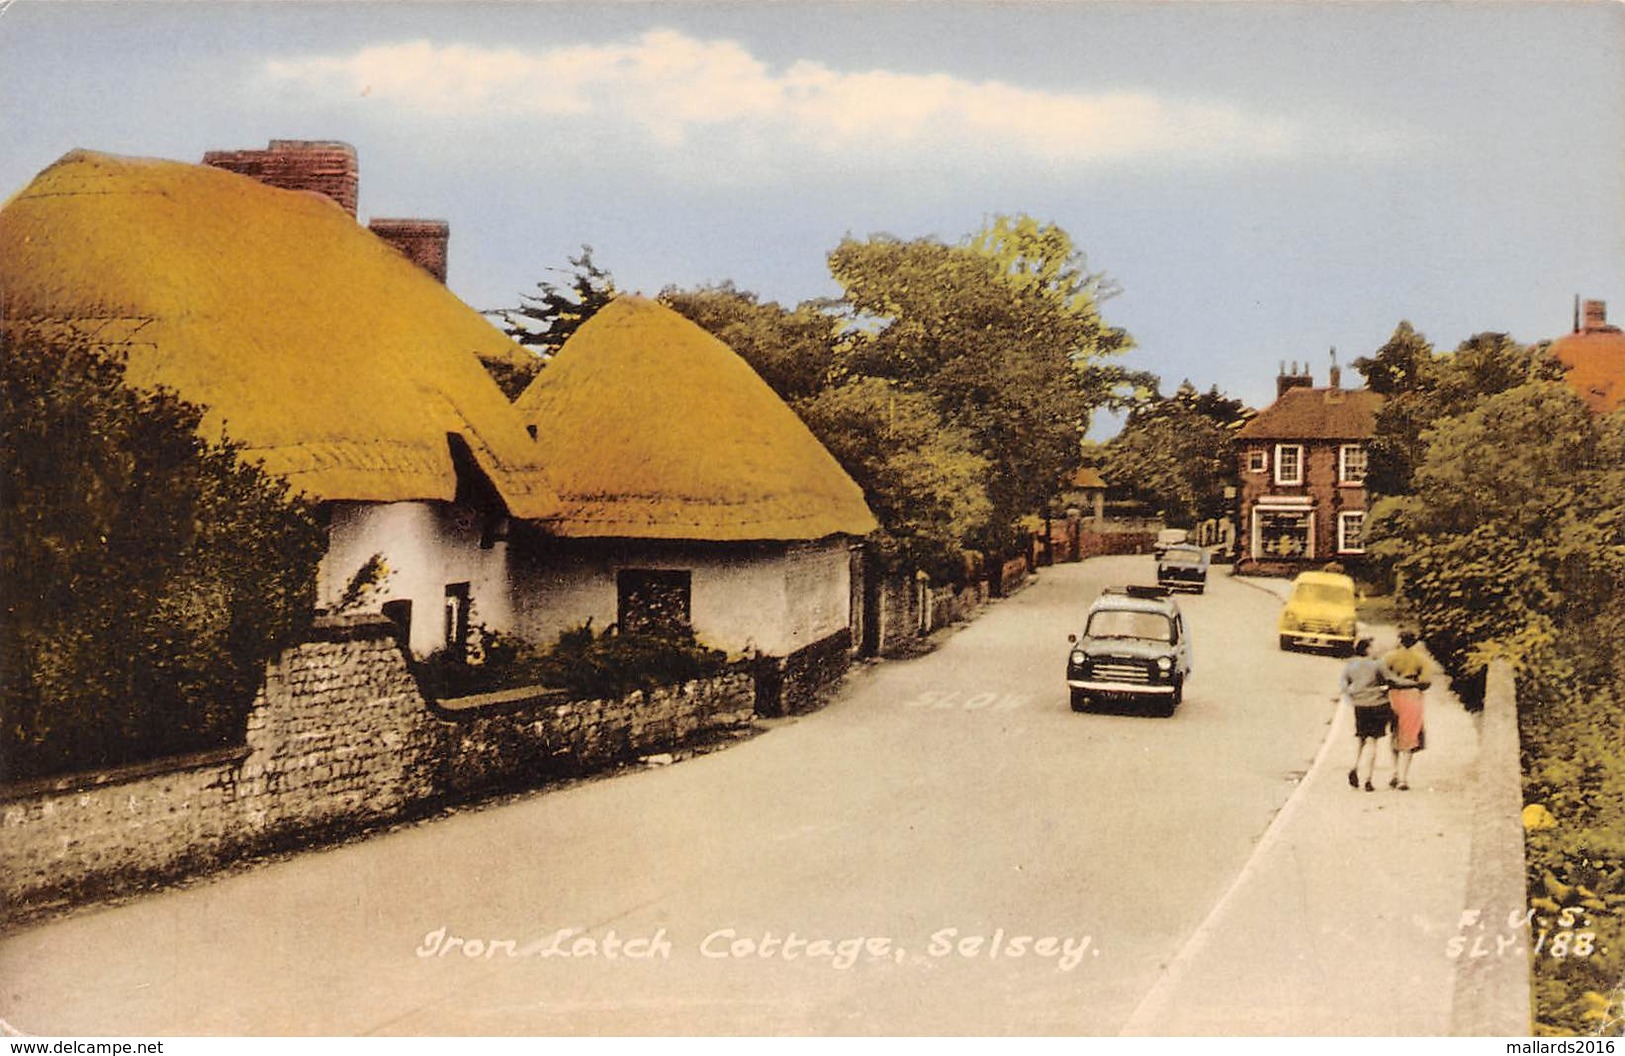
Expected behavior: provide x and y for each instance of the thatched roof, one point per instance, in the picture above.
(335, 360)
(657, 430)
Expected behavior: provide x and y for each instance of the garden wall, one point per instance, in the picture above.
(338, 739)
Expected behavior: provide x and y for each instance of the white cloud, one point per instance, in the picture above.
(670, 88)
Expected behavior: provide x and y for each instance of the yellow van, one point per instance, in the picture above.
(1320, 613)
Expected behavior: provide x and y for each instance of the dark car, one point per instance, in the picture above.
(1134, 648)
(1183, 567)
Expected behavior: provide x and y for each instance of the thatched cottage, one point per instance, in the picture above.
(690, 495)
(339, 362)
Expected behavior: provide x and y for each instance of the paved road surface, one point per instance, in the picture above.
(943, 810)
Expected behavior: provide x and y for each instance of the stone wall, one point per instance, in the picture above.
(795, 684)
(338, 740)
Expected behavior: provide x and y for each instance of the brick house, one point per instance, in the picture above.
(1302, 468)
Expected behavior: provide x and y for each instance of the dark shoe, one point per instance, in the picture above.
(1368, 787)
(1403, 787)
(1354, 779)
(1393, 782)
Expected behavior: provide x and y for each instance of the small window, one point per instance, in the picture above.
(654, 601)
(1351, 533)
(457, 606)
(1351, 463)
(1289, 463)
(1257, 460)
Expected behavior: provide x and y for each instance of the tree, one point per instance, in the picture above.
(146, 575)
(998, 332)
(1421, 387)
(922, 478)
(1178, 453)
(1514, 529)
(544, 322)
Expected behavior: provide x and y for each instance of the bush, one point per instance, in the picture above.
(588, 666)
(613, 665)
(147, 575)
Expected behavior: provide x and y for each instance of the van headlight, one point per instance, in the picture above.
(1164, 664)
(1078, 657)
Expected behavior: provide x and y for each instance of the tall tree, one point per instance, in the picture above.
(543, 322)
(998, 332)
(1514, 528)
(1421, 387)
(1178, 453)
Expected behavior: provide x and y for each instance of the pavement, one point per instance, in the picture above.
(1342, 922)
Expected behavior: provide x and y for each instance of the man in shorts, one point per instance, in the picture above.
(1365, 686)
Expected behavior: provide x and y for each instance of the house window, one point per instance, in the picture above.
(1257, 460)
(653, 601)
(1282, 534)
(1351, 533)
(457, 606)
(1289, 463)
(399, 612)
(1351, 460)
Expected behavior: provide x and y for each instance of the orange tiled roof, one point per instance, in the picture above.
(1595, 359)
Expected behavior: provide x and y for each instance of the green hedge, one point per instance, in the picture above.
(146, 575)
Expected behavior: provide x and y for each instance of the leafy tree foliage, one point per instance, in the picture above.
(998, 333)
(544, 322)
(1513, 529)
(1420, 387)
(147, 575)
(1178, 453)
(922, 477)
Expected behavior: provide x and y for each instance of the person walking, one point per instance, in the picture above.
(1408, 672)
(1364, 686)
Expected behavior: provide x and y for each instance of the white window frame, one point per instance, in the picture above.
(1343, 520)
(1280, 462)
(1258, 460)
(1343, 453)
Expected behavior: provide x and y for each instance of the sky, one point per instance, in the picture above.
(1261, 182)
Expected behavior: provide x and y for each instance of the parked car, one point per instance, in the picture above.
(1320, 613)
(1183, 567)
(1168, 537)
(1134, 648)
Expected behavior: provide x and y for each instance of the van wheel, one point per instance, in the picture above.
(1286, 643)
(1080, 700)
(1175, 698)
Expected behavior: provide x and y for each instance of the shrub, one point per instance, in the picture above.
(588, 666)
(612, 665)
(147, 575)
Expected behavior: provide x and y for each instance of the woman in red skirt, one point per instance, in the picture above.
(1409, 672)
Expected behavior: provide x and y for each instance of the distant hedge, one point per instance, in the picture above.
(146, 575)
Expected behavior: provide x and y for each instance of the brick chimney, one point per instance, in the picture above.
(1594, 316)
(322, 166)
(1299, 378)
(423, 241)
(1334, 377)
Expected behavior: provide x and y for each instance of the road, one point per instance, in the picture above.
(1010, 867)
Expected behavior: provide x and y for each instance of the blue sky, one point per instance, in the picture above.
(1263, 181)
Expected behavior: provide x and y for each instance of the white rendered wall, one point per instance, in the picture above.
(773, 598)
(426, 546)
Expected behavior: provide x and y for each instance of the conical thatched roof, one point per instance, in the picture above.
(657, 430)
(334, 359)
